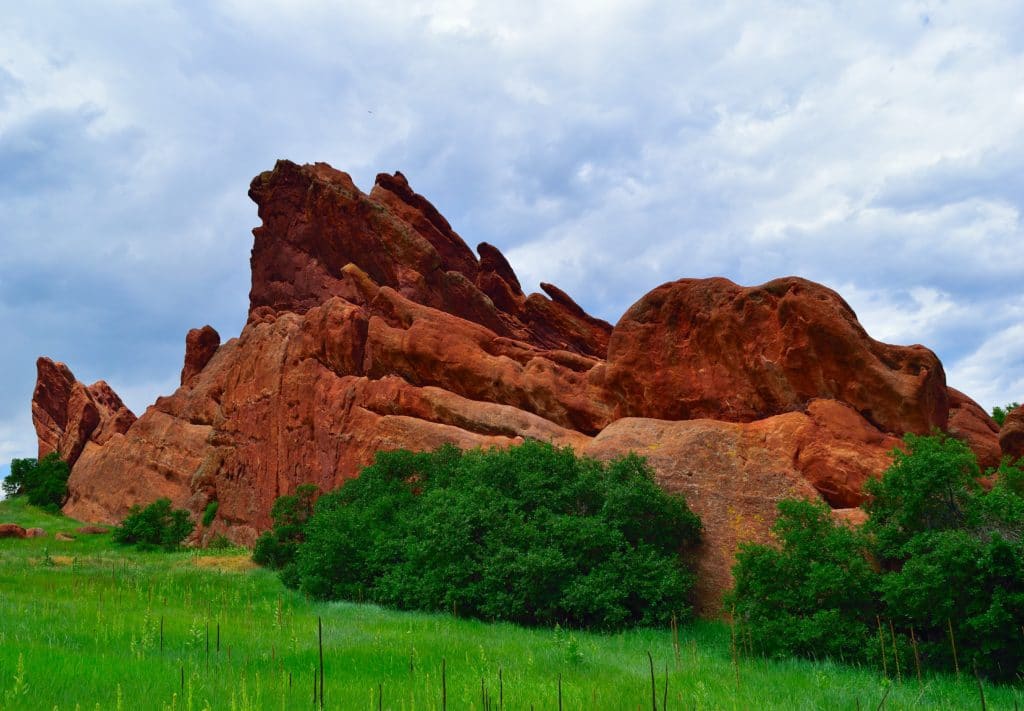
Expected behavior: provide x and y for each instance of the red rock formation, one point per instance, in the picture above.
(200, 345)
(709, 348)
(969, 422)
(67, 414)
(373, 326)
(1011, 434)
(400, 241)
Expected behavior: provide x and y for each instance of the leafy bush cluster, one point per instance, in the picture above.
(938, 565)
(999, 413)
(276, 548)
(531, 534)
(43, 482)
(155, 526)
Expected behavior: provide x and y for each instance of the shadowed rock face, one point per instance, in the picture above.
(68, 415)
(373, 326)
(1011, 435)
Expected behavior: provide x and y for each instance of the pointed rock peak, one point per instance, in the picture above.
(200, 345)
(492, 260)
(560, 297)
(105, 396)
(67, 414)
(399, 186)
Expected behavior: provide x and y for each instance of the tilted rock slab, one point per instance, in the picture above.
(373, 326)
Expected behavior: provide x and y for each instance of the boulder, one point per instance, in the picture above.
(698, 348)
(11, 530)
(35, 533)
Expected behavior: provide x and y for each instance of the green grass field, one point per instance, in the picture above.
(86, 624)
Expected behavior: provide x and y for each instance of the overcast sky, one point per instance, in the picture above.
(603, 146)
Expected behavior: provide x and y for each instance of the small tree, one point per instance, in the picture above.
(156, 525)
(927, 488)
(276, 548)
(814, 596)
(999, 413)
(44, 482)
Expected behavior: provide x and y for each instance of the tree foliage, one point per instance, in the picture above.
(938, 557)
(43, 482)
(999, 413)
(531, 534)
(156, 525)
(812, 596)
(276, 548)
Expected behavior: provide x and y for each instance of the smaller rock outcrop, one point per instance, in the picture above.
(1011, 434)
(11, 530)
(200, 345)
(67, 414)
(970, 423)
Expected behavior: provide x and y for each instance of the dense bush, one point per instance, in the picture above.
(948, 561)
(44, 482)
(276, 548)
(531, 534)
(999, 413)
(156, 525)
(816, 595)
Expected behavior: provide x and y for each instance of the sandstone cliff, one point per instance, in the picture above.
(373, 326)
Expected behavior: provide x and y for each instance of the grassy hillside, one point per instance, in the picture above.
(81, 621)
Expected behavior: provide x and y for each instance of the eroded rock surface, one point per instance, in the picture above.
(709, 348)
(373, 326)
(200, 346)
(68, 415)
(969, 421)
(1011, 434)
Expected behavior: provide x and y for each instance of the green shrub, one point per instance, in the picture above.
(44, 482)
(999, 413)
(156, 525)
(531, 534)
(950, 561)
(210, 513)
(815, 595)
(219, 542)
(276, 548)
(929, 487)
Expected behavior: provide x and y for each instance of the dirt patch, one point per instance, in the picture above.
(53, 560)
(233, 563)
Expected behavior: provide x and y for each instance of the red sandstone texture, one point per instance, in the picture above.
(1011, 435)
(68, 415)
(12, 530)
(200, 345)
(969, 422)
(373, 326)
